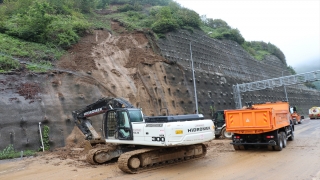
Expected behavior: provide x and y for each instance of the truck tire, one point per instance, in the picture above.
(217, 136)
(279, 143)
(284, 139)
(243, 147)
(291, 138)
(270, 148)
(225, 134)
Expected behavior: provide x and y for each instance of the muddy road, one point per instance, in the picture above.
(299, 160)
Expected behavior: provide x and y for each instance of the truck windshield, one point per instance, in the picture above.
(135, 116)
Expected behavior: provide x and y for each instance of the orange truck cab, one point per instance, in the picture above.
(295, 117)
(266, 124)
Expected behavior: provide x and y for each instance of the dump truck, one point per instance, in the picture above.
(266, 124)
(314, 113)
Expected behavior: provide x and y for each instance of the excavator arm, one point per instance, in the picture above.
(99, 107)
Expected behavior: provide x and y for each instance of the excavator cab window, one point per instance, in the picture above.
(110, 125)
(124, 126)
(135, 116)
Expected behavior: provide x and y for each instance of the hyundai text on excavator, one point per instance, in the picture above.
(142, 143)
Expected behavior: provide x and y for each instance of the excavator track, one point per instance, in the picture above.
(100, 155)
(148, 159)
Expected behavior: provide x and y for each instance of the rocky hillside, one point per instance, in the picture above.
(100, 65)
(151, 74)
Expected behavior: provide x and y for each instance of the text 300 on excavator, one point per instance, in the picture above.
(143, 143)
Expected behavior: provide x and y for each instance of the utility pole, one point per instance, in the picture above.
(194, 82)
(285, 89)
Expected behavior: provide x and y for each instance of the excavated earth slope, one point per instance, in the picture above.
(100, 65)
(150, 74)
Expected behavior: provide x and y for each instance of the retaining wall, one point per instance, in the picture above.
(220, 64)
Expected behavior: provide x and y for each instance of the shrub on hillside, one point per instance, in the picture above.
(8, 64)
(187, 17)
(39, 26)
(61, 33)
(164, 25)
(129, 7)
(31, 25)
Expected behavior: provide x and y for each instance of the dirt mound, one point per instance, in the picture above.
(114, 61)
(145, 56)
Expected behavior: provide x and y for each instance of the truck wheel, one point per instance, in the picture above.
(295, 122)
(279, 142)
(300, 122)
(217, 136)
(291, 138)
(243, 147)
(236, 147)
(270, 148)
(284, 139)
(226, 134)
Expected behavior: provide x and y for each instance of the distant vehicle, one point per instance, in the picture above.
(266, 124)
(314, 113)
(220, 125)
(295, 116)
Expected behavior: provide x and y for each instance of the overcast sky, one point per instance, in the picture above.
(291, 25)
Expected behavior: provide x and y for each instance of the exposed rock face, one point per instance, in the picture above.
(126, 66)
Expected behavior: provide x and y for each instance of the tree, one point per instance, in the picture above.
(32, 24)
(165, 21)
(217, 23)
(188, 17)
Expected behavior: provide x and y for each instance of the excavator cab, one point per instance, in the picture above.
(118, 123)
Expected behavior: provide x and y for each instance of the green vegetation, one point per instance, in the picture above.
(258, 49)
(212, 110)
(219, 29)
(39, 31)
(310, 85)
(40, 55)
(39, 67)
(9, 153)
(8, 64)
(291, 70)
(28, 50)
(45, 137)
(53, 22)
(161, 19)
